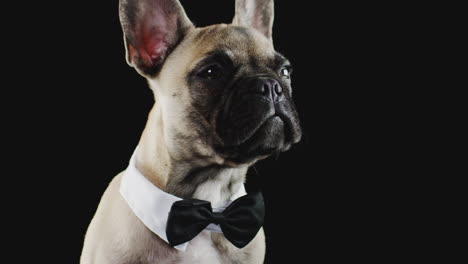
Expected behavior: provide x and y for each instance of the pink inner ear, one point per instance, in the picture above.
(154, 36)
(152, 49)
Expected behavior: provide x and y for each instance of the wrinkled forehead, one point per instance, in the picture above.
(242, 45)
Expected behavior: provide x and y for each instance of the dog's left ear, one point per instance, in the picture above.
(258, 14)
(152, 29)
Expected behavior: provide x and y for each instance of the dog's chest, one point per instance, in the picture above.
(201, 250)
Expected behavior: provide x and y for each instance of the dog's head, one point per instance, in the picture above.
(223, 94)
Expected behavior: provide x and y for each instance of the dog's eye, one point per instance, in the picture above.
(212, 72)
(285, 72)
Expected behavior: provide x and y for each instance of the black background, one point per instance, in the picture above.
(330, 198)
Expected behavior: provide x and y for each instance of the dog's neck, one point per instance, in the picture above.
(183, 178)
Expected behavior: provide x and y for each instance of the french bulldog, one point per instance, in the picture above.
(223, 101)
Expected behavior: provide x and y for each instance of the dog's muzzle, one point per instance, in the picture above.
(257, 118)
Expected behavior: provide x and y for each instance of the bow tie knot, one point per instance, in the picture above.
(218, 218)
(240, 221)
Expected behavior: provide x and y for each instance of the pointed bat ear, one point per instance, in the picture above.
(258, 14)
(152, 29)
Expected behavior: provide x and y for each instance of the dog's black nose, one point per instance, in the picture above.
(268, 87)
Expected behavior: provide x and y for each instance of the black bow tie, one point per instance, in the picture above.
(240, 221)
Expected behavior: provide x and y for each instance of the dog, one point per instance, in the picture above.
(223, 101)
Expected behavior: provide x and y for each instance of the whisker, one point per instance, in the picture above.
(256, 172)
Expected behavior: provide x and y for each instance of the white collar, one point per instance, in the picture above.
(152, 205)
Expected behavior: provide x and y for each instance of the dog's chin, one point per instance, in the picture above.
(268, 139)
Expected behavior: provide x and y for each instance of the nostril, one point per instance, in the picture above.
(265, 88)
(268, 87)
(278, 88)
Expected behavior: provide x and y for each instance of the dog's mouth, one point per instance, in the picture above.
(257, 118)
(268, 138)
(253, 140)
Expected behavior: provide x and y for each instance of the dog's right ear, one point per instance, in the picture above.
(258, 14)
(152, 29)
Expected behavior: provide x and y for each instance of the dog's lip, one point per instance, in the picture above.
(253, 132)
(287, 127)
(260, 126)
(252, 144)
